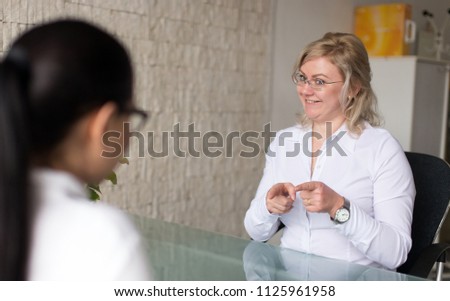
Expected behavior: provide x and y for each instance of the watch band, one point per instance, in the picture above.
(342, 215)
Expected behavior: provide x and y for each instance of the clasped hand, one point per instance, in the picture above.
(316, 197)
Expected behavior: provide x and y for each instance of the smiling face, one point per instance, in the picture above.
(321, 105)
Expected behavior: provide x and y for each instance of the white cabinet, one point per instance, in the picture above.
(413, 99)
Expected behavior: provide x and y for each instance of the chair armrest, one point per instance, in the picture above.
(428, 257)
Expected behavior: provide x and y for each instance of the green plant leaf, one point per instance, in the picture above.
(112, 177)
(124, 160)
(93, 195)
(95, 187)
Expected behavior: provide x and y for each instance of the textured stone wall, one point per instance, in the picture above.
(200, 62)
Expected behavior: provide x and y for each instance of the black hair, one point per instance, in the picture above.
(52, 75)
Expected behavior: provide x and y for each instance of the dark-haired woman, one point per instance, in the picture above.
(63, 85)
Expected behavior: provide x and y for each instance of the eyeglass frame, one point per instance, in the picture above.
(143, 114)
(302, 83)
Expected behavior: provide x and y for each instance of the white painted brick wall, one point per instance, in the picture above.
(196, 61)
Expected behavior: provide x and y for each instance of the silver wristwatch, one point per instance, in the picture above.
(342, 214)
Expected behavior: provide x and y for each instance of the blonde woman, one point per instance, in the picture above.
(340, 184)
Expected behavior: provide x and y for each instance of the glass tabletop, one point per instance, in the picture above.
(180, 253)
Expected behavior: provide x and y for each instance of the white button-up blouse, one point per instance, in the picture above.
(370, 170)
(74, 239)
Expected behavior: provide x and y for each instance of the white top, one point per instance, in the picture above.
(74, 238)
(371, 171)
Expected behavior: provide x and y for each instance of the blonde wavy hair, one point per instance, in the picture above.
(349, 55)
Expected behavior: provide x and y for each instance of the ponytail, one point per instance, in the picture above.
(14, 166)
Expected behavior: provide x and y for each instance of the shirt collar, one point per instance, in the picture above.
(347, 141)
(46, 180)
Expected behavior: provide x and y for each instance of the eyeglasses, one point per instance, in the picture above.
(137, 118)
(316, 83)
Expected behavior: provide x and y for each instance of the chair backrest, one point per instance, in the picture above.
(432, 180)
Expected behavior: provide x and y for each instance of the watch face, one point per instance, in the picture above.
(342, 215)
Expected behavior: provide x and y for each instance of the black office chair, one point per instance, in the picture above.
(432, 180)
